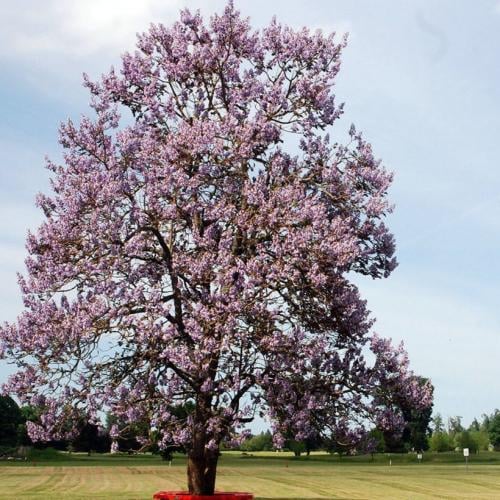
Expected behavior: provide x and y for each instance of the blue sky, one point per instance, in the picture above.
(420, 78)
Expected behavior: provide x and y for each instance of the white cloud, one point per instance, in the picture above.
(82, 28)
(78, 28)
(49, 44)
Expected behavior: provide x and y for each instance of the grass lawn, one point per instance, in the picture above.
(268, 476)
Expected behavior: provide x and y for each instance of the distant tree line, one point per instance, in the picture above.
(88, 437)
(119, 435)
(14, 434)
(482, 434)
(114, 434)
(421, 432)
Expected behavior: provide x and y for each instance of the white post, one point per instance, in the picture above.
(466, 455)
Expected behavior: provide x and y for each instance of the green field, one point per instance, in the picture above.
(268, 476)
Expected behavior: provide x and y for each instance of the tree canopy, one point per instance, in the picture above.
(199, 245)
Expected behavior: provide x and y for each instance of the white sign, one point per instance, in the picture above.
(466, 452)
(419, 456)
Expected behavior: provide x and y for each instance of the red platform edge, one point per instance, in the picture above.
(184, 495)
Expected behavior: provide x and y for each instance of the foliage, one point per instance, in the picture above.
(338, 445)
(455, 426)
(475, 438)
(474, 426)
(437, 423)
(464, 439)
(485, 422)
(187, 255)
(297, 447)
(91, 437)
(260, 442)
(440, 441)
(313, 442)
(416, 431)
(481, 439)
(494, 429)
(10, 418)
(374, 442)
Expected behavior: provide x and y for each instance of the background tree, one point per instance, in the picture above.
(10, 419)
(455, 426)
(494, 429)
(91, 438)
(437, 423)
(29, 413)
(373, 442)
(478, 435)
(475, 437)
(464, 439)
(377, 437)
(440, 441)
(340, 447)
(485, 422)
(416, 431)
(475, 425)
(481, 440)
(259, 442)
(312, 442)
(190, 252)
(297, 447)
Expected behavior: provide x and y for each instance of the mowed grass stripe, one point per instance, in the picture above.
(311, 482)
(255, 481)
(272, 479)
(267, 479)
(472, 484)
(18, 480)
(396, 487)
(425, 482)
(345, 484)
(87, 482)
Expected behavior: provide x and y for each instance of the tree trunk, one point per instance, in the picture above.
(201, 470)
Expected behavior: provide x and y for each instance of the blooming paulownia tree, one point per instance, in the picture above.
(199, 244)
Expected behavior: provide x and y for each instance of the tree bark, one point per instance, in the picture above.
(201, 471)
